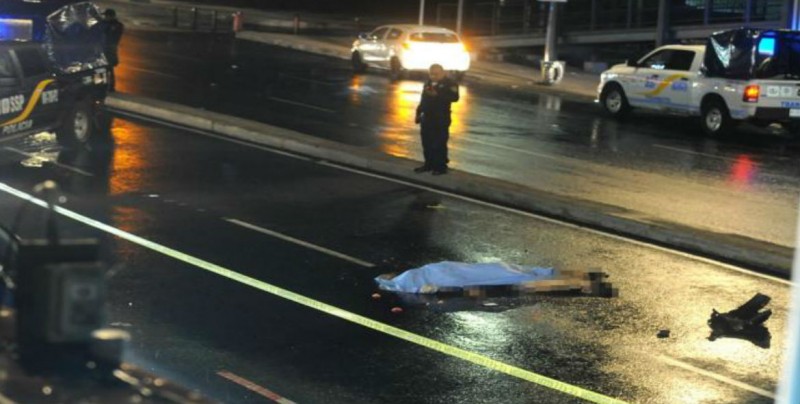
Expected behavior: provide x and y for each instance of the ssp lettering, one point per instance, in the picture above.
(50, 97)
(13, 104)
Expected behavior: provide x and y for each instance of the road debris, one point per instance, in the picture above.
(745, 322)
(663, 334)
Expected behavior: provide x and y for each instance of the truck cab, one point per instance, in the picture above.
(33, 98)
(53, 76)
(758, 84)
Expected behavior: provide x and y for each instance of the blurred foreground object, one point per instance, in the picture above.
(789, 388)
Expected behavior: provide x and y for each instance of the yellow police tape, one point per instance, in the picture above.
(472, 357)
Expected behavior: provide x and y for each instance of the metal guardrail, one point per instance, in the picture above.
(518, 17)
(205, 19)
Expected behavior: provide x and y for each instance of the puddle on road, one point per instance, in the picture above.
(451, 304)
(40, 139)
(41, 148)
(39, 159)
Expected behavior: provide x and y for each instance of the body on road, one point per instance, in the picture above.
(317, 230)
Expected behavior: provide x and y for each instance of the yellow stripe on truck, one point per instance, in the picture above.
(664, 84)
(34, 99)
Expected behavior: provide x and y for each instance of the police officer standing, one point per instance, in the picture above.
(433, 114)
(112, 34)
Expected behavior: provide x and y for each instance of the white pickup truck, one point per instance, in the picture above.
(764, 87)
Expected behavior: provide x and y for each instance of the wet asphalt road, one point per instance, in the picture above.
(651, 168)
(181, 190)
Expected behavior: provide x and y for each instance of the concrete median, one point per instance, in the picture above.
(736, 249)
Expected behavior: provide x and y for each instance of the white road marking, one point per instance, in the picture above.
(565, 224)
(153, 72)
(255, 388)
(715, 376)
(213, 135)
(517, 150)
(296, 78)
(728, 159)
(300, 242)
(323, 307)
(479, 202)
(300, 104)
(679, 150)
(13, 137)
(55, 163)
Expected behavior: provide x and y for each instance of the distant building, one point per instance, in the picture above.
(621, 26)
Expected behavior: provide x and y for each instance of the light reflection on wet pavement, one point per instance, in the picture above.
(653, 168)
(174, 188)
(190, 325)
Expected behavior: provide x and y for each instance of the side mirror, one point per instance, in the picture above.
(9, 82)
(631, 63)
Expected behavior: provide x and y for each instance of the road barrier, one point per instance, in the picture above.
(206, 19)
(751, 253)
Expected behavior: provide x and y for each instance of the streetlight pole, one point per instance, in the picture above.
(552, 69)
(459, 16)
(421, 12)
(550, 36)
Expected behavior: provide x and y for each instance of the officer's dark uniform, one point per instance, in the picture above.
(433, 113)
(112, 34)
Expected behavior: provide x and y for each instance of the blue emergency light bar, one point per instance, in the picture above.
(15, 29)
(766, 46)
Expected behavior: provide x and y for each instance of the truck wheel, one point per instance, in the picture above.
(358, 63)
(77, 128)
(396, 71)
(715, 119)
(614, 101)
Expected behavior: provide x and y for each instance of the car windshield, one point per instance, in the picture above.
(440, 37)
(396, 202)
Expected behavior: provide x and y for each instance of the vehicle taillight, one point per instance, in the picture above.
(751, 93)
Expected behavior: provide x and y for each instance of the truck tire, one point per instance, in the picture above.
(553, 72)
(715, 119)
(357, 61)
(77, 127)
(396, 71)
(614, 101)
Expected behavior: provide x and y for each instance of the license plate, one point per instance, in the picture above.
(794, 113)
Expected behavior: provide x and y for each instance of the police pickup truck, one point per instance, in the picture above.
(53, 76)
(34, 98)
(739, 75)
